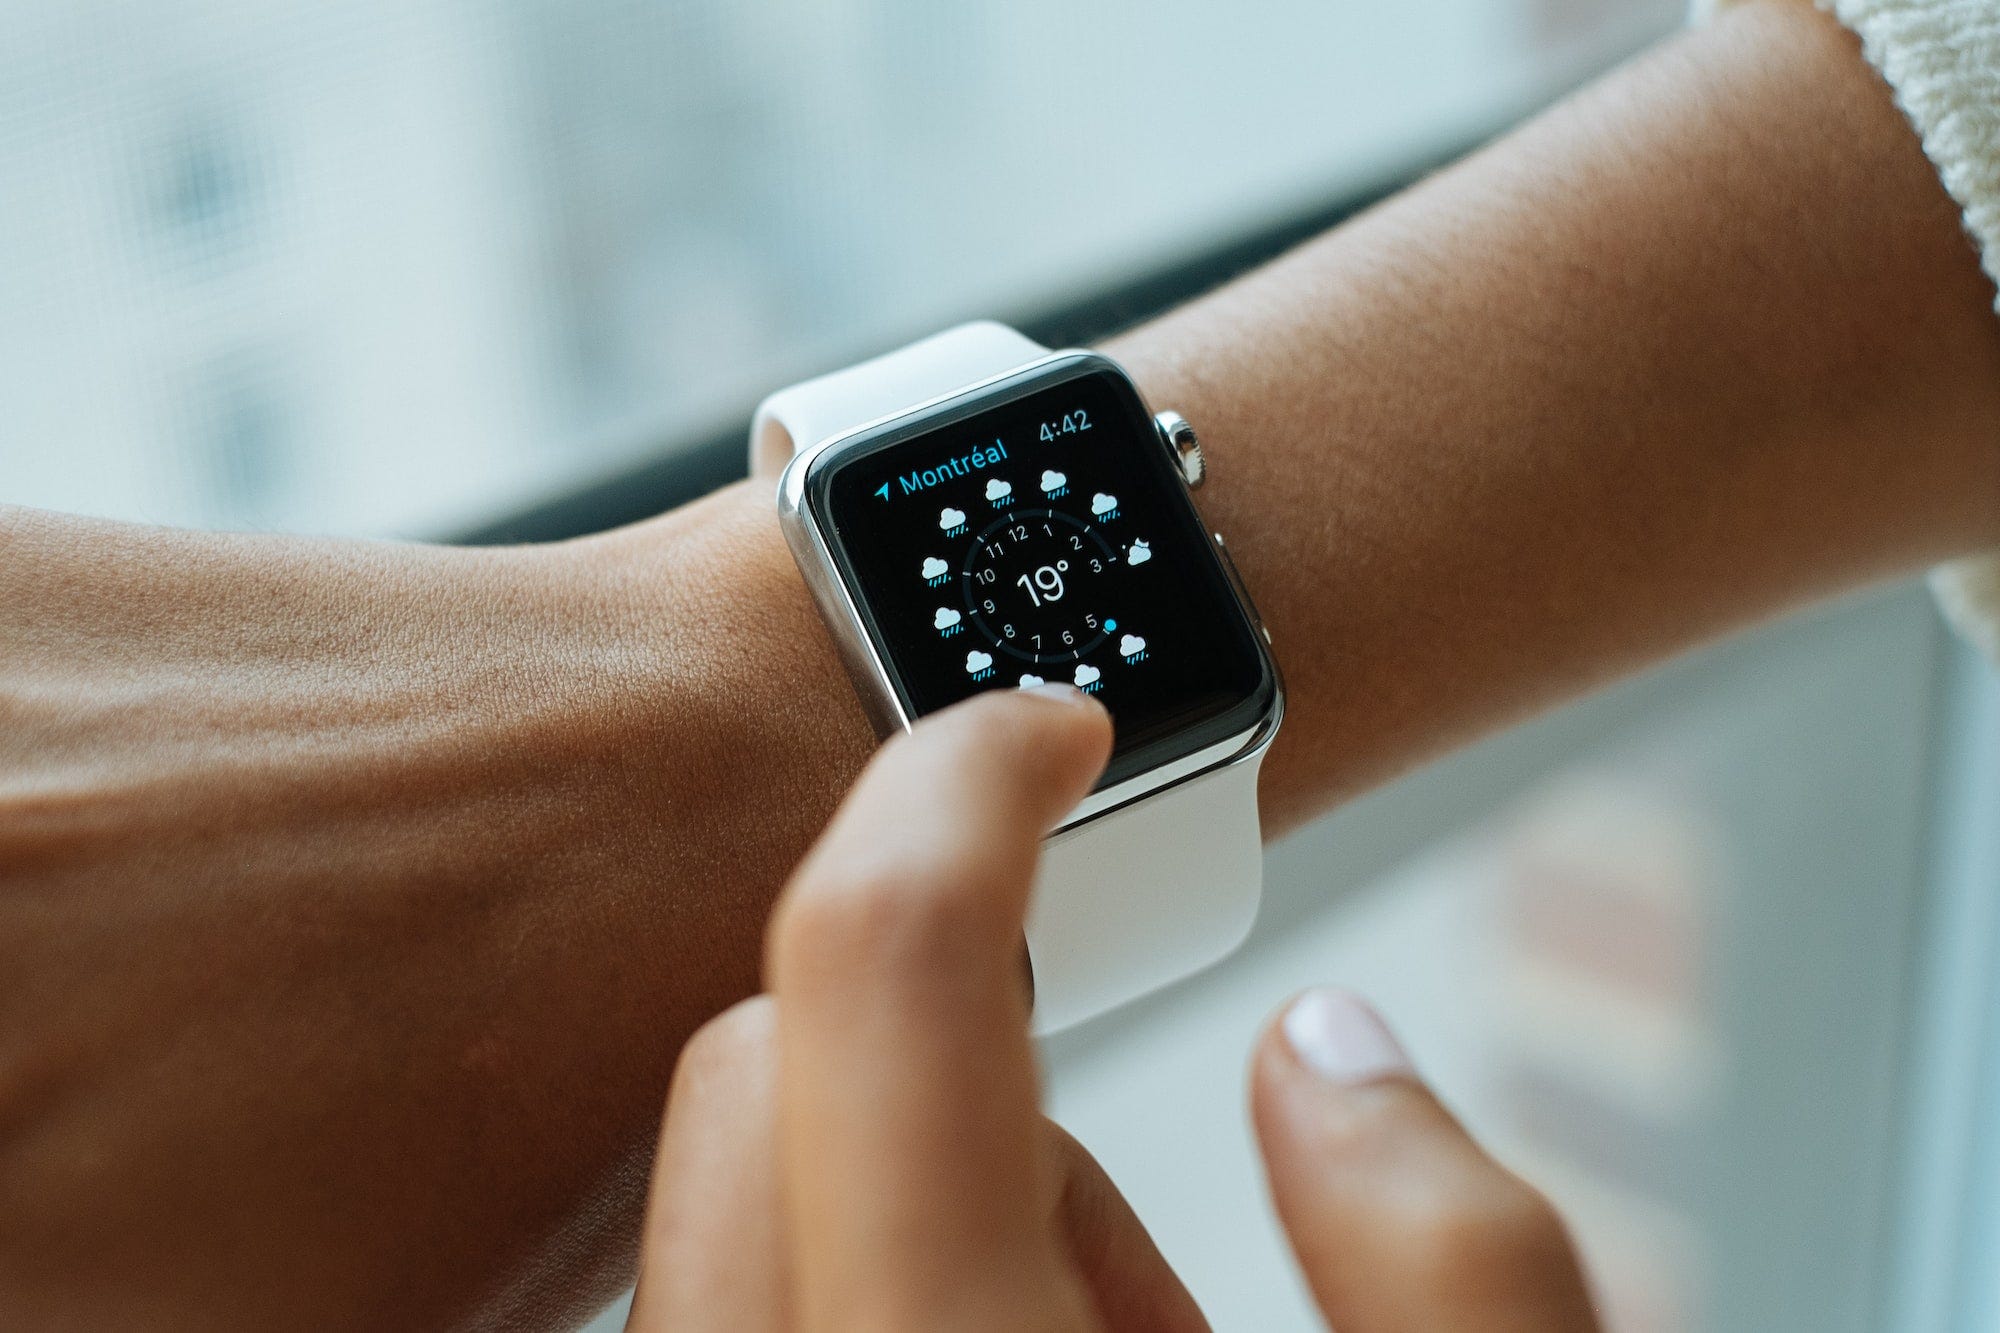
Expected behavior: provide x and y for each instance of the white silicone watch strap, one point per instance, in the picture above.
(813, 410)
(1145, 895)
(1135, 898)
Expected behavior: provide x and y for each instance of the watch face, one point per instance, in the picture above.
(1042, 533)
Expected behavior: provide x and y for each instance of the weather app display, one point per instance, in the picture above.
(1048, 539)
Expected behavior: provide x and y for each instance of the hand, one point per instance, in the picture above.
(863, 1148)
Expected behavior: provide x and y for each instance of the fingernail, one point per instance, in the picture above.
(1340, 1037)
(1059, 690)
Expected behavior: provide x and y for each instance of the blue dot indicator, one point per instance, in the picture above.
(1111, 624)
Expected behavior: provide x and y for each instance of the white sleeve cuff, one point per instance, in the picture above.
(1941, 59)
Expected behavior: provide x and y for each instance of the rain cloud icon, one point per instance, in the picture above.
(998, 490)
(951, 519)
(934, 569)
(1029, 680)
(1086, 676)
(1139, 554)
(1054, 482)
(978, 665)
(1131, 647)
(1102, 504)
(947, 620)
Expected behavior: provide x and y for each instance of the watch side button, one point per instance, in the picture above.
(1242, 591)
(1182, 445)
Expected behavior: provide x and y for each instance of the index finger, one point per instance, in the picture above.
(909, 1128)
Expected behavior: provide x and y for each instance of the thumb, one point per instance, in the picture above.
(1400, 1220)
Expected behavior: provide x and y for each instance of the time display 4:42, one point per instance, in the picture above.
(1068, 424)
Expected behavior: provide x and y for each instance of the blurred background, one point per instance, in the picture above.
(1710, 956)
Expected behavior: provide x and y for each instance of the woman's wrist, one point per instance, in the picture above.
(755, 718)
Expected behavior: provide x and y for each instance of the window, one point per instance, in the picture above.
(393, 268)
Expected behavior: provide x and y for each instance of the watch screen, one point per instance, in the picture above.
(1044, 534)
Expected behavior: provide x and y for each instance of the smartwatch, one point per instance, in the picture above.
(975, 512)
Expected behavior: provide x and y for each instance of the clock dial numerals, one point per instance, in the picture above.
(1030, 580)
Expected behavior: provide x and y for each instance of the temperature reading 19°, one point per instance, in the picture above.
(1048, 583)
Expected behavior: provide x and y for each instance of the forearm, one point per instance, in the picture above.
(355, 900)
(1697, 346)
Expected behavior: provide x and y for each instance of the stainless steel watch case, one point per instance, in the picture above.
(864, 662)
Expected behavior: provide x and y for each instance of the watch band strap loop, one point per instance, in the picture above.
(801, 416)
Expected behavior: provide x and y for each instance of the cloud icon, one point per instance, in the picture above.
(1029, 680)
(935, 568)
(951, 518)
(1129, 646)
(997, 489)
(1053, 480)
(976, 661)
(1101, 503)
(1138, 555)
(946, 618)
(1086, 674)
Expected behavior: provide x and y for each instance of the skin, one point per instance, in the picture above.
(863, 1146)
(356, 900)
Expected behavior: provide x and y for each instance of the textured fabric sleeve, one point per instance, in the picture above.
(1941, 58)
